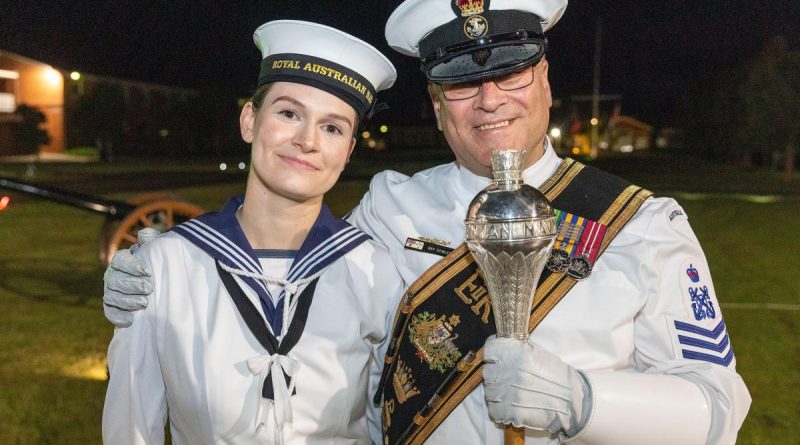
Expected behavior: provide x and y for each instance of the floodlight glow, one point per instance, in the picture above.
(223, 166)
(75, 75)
(760, 199)
(242, 165)
(555, 132)
(384, 128)
(594, 121)
(91, 367)
(52, 76)
(366, 135)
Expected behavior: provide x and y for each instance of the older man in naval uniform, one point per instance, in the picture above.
(629, 345)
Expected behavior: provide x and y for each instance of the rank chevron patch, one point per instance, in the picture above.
(710, 345)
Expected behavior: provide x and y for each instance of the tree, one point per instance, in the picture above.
(771, 99)
(29, 131)
(99, 117)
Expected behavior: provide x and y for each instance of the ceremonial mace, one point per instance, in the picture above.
(510, 228)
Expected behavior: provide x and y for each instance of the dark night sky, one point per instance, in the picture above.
(655, 53)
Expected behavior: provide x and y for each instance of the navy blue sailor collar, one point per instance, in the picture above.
(220, 236)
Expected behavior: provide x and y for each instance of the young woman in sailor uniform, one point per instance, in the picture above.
(265, 316)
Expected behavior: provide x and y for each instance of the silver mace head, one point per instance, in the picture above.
(510, 229)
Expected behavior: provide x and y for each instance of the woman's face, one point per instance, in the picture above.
(301, 139)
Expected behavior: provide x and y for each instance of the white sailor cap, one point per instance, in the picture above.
(325, 58)
(466, 40)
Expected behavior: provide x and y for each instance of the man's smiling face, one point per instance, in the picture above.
(496, 119)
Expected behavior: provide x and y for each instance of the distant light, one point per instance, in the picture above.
(594, 121)
(555, 132)
(223, 166)
(372, 143)
(755, 199)
(365, 135)
(75, 75)
(576, 150)
(627, 148)
(603, 145)
(693, 196)
(163, 132)
(4, 202)
(242, 166)
(52, 76)
(384, 128)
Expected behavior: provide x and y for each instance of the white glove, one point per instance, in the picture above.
(127, 283)
(526, 386)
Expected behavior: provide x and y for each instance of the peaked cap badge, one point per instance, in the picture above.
(475, 25)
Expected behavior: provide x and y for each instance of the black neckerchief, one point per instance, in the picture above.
(258, 326)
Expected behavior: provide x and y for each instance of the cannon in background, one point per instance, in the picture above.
(123, 219)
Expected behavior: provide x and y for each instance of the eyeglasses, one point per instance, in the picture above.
(507, 82)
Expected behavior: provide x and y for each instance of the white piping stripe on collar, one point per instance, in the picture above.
(314, 252)
(239, 258)
(323, 251)
(332, 251)
(225, 247)
(237, 255)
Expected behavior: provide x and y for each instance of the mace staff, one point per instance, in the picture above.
(510, 230)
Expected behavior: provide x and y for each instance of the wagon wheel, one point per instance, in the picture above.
(161, 215)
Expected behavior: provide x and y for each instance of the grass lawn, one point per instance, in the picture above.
(751, 250)
(53, 336)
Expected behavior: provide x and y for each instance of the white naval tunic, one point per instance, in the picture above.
(186, 355)
(623, 317)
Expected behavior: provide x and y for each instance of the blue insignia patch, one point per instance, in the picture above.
(709, 345)
(698, 290)
(702, 306)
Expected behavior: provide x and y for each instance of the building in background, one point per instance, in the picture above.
(572, 124)
(114, 116)
(36, 84)
(629, 134)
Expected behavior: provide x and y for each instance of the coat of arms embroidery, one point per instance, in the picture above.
(434, 340)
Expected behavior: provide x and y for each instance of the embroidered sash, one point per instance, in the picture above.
(435, 356)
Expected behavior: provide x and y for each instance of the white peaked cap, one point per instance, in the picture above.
(415, 19)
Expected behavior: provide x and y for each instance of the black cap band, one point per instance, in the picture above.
(328, 76)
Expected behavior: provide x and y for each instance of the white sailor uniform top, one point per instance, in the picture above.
(635, 312)
(191, 357)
